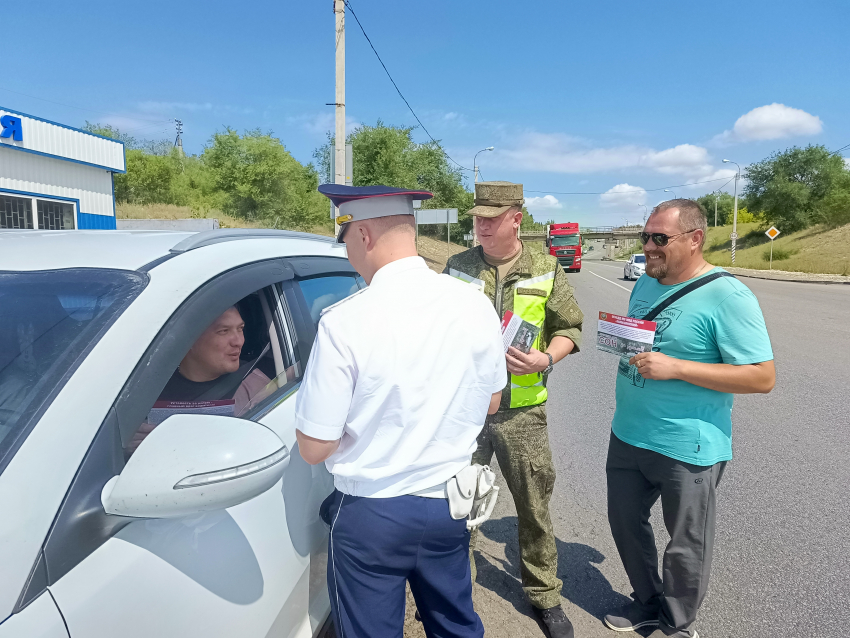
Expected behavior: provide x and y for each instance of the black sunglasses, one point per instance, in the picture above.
(660, 239)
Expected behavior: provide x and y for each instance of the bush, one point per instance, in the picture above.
(779, 254)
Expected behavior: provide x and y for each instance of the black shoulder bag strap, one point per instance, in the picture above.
(699, 283)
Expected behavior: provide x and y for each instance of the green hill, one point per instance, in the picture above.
(813, 250)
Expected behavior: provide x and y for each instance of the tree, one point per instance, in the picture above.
(791, 186)
(725, 207)
(388, 155)
(148, 179)
(258, 179)
(834, 209)
(107, 130)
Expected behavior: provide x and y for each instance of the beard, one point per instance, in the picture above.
(656, 269)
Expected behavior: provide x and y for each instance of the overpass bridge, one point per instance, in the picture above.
(591, 232)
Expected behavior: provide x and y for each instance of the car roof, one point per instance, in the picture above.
(132, 249)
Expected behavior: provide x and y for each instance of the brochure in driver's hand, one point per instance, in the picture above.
(518, 333)
(163, 409)
(624, 336)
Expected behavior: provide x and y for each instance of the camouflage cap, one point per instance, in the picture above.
(494, 198)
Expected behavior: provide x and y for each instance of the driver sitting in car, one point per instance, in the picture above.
(212, 371)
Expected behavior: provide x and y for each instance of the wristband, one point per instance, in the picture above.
(548, 369)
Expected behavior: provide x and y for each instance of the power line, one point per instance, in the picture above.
(635, 190)
(401, 95)
(840, 149)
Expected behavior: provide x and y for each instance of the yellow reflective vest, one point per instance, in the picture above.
(529, 297)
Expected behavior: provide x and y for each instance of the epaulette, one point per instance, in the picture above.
(342, 301)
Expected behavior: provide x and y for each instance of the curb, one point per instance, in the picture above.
(798, 281)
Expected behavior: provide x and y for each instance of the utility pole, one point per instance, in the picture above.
(735, 215)
(178, 141)
(339, 135)
(716, 197)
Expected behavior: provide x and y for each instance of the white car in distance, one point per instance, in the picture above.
(210, 528)
(635, 267)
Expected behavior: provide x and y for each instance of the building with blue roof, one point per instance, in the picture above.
(55, 177)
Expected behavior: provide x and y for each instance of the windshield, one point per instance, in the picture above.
(640, 259)
(49, 320)
(566, 240)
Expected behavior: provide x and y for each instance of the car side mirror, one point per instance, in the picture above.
(194, 463)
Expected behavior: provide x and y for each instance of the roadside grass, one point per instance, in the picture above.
(813, 250)
(435, 252)
(170, 211)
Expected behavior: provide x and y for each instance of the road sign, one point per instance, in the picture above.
(773, 233)
(467, 237)
(734, 236)
(436, 216)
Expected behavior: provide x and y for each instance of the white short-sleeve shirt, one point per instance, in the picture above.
(402, 373)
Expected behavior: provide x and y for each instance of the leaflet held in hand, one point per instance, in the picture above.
(518, 333)
(624, 336)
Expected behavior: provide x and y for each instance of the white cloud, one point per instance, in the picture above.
(623, 196)
(547, 202)
(450, 116)
(771, 122)
(558, 153)
(847, 163)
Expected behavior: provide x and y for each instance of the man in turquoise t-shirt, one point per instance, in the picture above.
(672, 429)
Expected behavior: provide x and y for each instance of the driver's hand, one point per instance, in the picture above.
(144, 429)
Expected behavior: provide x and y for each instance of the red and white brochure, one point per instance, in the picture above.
(518, 333)
(624, 336)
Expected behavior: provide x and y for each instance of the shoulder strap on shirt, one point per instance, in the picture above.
(699, 283)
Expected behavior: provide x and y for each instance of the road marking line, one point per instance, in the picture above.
(609, 281)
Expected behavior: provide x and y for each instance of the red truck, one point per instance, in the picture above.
(564, 242)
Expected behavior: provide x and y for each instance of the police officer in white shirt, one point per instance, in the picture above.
(397, 388)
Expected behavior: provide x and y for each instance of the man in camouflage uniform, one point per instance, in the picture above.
(524, 279)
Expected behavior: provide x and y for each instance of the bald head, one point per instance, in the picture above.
(373, 243)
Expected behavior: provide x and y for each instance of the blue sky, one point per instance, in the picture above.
(606, 97)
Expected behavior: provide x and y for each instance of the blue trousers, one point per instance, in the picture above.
(376, 544)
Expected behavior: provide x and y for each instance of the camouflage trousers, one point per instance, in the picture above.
(520, 440)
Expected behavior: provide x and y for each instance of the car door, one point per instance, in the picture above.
(324, 282)
(251, 570)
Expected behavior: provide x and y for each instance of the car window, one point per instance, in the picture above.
(565, 240)
(49, 321)
(640, 259)
(324, 291)
(238, 362)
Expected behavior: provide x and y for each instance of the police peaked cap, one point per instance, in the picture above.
(357, 203)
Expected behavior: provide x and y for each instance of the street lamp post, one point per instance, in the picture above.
(475, 165)
(735, 214)
(645, 212)
(667, 190)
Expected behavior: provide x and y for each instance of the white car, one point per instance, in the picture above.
(635, 267)
(210, 528)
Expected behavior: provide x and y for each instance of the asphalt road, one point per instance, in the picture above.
(782, 557)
